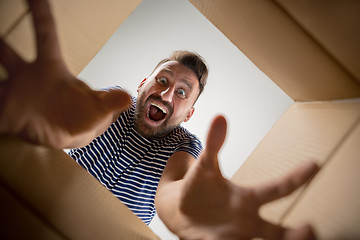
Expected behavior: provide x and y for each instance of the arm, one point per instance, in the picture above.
(205, 205)
(169, 189)
(43, 102)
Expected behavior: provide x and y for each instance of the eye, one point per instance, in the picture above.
(162, 80)
(181, 93)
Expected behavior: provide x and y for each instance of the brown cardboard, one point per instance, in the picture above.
(332, 200)
(21, 38)
(82, 30)
(310, 49)
(44, 192)
(11, 12)
(334, 25)
(15, 215)
(307, 131)
(282, 49)
(66, 196)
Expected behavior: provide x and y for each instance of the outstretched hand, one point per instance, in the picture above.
(42, 101)
(215, 208)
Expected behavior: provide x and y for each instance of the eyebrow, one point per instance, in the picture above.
(170, 72)
(187, 83)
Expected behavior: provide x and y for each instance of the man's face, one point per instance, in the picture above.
(165, 99)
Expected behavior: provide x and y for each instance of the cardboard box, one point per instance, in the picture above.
(309, 49)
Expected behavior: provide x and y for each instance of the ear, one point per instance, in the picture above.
(142, 83)
(190, 113)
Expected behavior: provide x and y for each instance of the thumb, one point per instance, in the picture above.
(114, 99)
(215, 139)
(305, 232)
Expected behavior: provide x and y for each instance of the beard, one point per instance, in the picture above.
(147, 130)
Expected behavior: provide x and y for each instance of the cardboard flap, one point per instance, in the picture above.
(83, 28)
(307, 131)
(11, 12)
(282, 49)
(16, 215)
(65, 195)
(334, 25)
(331, 203)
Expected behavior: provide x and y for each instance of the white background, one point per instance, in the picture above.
(236, 87)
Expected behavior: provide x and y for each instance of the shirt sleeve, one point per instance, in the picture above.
(192, 145)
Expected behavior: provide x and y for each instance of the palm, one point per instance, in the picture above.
(42, 101)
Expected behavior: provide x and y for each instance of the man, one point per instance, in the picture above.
(129, 158)
(43, 103)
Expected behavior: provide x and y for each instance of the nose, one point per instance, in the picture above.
(167, 94)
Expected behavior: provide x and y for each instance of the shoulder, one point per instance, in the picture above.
(186, 141)
(183, 134)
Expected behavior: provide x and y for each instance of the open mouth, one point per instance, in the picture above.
(156, 112)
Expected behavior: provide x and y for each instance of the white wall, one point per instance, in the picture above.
(236, 88)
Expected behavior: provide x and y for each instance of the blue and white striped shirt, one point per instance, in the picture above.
(129, 165)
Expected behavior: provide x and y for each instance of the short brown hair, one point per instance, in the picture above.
(191, 60)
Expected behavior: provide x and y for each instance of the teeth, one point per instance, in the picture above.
(162, 109)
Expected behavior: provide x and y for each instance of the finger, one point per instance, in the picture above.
(272, 231)
(114, 100)
(284, 186)
(9, 58)
(215, 139)
(46, 38)
(216, 135)
(305, 232)
(3, 85)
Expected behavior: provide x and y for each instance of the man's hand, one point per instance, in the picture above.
(214, 208)
(42, 102)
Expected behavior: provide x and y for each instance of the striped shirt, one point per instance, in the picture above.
(129, 165)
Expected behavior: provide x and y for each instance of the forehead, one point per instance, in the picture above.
(176, 69)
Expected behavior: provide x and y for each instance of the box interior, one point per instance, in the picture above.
(310, 50)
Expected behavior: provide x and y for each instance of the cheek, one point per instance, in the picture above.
(181, 111)
(152, 89)
(145, 92)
